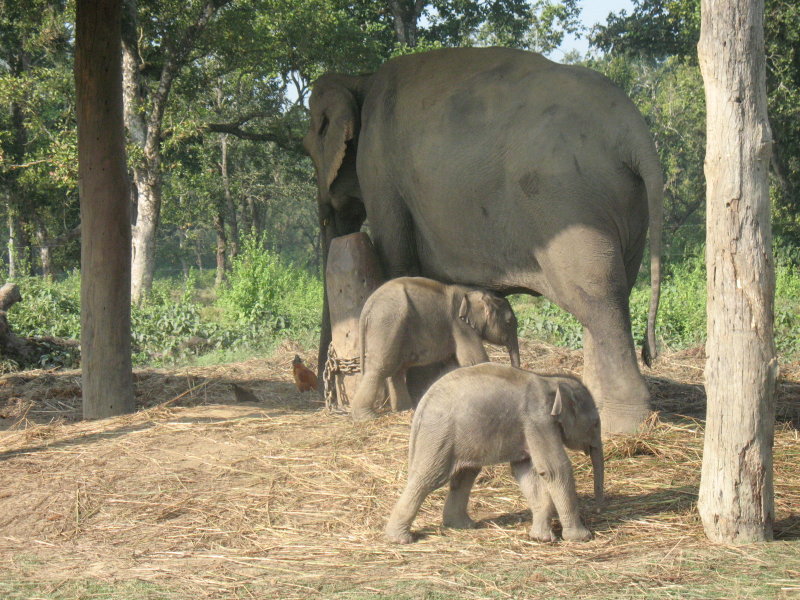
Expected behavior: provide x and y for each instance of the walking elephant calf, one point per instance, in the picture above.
(414, 321)
(491, 413)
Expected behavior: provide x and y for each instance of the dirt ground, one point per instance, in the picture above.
(228, 483)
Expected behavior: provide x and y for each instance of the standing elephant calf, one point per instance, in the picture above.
(414, 321)
(492, 413)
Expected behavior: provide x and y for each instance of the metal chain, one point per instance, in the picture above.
(335, 386)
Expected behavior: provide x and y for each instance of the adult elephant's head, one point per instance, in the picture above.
(332, 143)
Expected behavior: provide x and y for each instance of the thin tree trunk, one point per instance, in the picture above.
(12, 244)
(44, 250)
(736, 489)
(148, 209)
(219, 228)
(105, 213)
(233, 241)
(182, 252)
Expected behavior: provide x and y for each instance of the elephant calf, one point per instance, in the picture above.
(493, 413)
(414, 321)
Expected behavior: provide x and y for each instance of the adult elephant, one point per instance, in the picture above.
(499, 168)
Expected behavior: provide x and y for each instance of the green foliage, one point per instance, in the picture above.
(682, 310)
(48, 308)
(681, 314)
(265, 292)
(541, 319)
(668, 30)
(787, 305)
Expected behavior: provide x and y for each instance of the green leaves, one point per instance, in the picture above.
(264, 291)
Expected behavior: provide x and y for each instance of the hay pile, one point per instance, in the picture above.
(210, 494)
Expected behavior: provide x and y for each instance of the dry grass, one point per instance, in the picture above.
(207, 496)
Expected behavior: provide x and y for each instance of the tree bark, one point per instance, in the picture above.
(230, 206)
(736, 487)
(219, 229)
(12, 243)
(405, 14)
(44, 249)
(105, 212)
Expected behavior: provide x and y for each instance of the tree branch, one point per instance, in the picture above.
(284, 141)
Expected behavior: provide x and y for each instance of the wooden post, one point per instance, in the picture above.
(105, 212)
(352, 274)
(736, 491)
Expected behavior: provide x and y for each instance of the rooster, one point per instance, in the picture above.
(304, 378)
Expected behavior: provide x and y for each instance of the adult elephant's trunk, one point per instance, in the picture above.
(596, 454)
(327, 233)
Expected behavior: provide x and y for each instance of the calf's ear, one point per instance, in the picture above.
(563, 401)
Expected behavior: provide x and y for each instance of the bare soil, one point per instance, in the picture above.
(229, 483)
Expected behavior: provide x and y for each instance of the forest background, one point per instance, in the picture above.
(225, 200)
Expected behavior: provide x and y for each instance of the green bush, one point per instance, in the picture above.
(539, 318)
(681, 314)
(264, 292)
(48, 308)
(787, 306)
(682, 309)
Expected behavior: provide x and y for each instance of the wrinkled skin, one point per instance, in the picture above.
(492, 413)
(415, 321)
(498, 168)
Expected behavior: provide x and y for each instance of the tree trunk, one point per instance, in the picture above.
(182, 251)
(736, 490)
(219, 228)
(44, 250)
(105, 213)
(12, 244)
(230, 206)
(405, 14)
(148, 211)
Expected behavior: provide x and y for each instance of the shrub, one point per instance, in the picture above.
(264, 292)
(48, 308)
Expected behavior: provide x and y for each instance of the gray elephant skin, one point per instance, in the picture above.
(493, 413)
(498, 168)
(415, 321)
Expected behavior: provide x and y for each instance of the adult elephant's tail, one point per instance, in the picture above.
(649, 170)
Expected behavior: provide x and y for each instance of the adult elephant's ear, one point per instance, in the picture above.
(334, 123)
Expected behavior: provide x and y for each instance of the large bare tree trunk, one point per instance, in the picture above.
(105, 213)
(736, 491)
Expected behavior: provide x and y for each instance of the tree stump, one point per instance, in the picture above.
(353, 273)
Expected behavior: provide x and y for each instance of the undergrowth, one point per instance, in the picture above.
(266, 300)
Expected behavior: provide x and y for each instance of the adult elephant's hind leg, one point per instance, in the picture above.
(589, 279)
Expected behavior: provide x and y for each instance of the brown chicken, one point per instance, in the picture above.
(304, 378)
